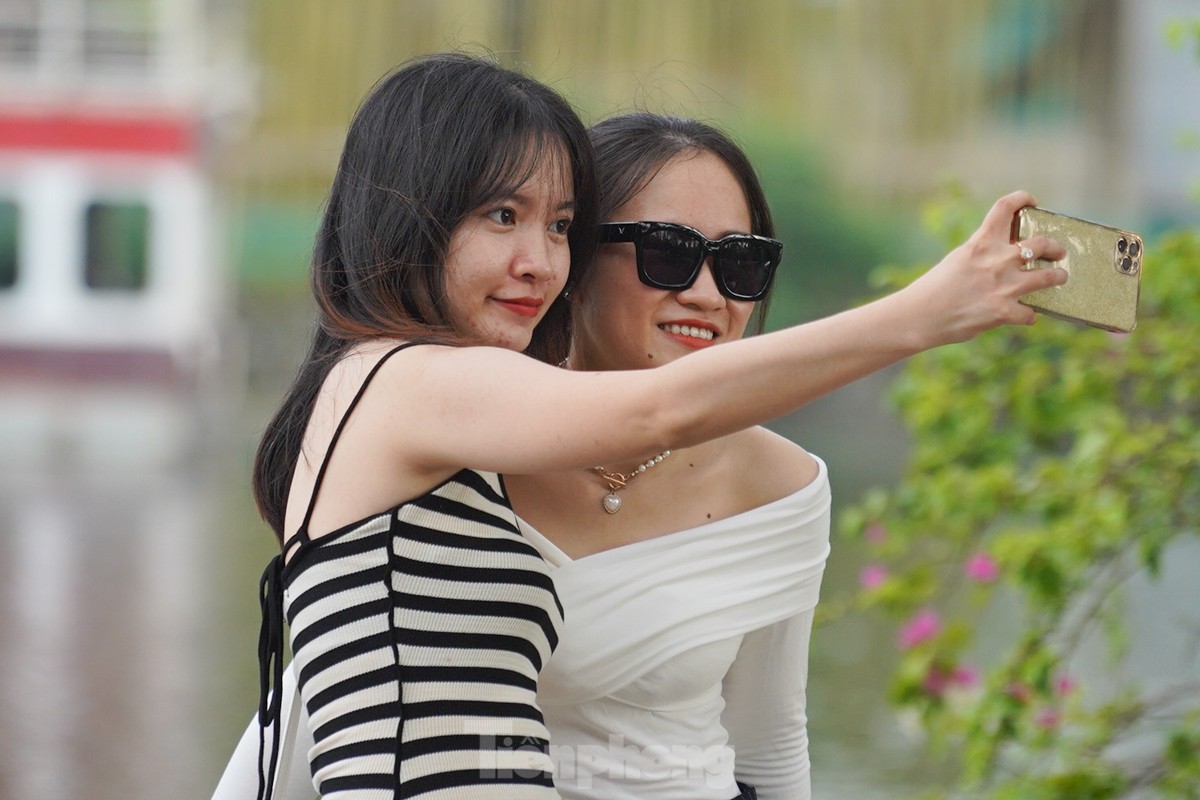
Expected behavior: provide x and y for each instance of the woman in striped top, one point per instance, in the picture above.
(420, 615)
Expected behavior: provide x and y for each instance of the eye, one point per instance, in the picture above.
(561, 226)
(503, 215)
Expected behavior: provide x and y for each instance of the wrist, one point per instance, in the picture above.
(907, 323)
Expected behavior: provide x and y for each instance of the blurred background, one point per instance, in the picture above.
(162, 169)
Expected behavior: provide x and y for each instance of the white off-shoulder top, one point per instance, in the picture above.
(684, 658)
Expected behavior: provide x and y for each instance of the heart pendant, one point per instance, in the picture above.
(611, 503)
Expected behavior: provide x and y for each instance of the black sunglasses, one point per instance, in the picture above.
(670, 255)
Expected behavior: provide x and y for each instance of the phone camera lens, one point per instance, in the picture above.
(1126, 264)
(1122, 245)
(1134, 249)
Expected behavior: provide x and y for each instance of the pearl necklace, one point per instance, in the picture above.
(618, 480)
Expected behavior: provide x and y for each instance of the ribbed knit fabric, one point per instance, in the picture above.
(418, 635)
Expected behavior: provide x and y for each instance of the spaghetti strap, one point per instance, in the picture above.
(270, 635)
(364, 647)
(301, 534)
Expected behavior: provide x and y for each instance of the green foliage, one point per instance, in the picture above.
(1049, 465)
(1182, 32)
(829, 242)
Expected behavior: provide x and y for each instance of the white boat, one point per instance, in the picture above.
(113, 276)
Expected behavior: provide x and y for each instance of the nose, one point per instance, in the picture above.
(703, 293)
(535, 258)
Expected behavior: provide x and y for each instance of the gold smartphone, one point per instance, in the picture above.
(1104, 266)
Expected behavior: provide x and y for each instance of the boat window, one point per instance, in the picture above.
(18, 33)
(79, 39)
(9, 227)
(118, 238)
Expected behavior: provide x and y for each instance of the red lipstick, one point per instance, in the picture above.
(682, 331)
(525, 306)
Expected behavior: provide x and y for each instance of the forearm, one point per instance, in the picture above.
(634, 413)
(748, 382)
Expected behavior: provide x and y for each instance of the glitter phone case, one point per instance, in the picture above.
(1104, 266)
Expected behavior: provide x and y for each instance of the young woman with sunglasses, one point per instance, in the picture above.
(464, 622)
(688, 586)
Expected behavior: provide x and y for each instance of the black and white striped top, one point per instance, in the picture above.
(418, 635)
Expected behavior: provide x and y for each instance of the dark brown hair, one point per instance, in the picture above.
(433, 141)
(632, 148)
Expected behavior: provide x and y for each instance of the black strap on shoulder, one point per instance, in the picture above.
(312, 500)
(270, 634)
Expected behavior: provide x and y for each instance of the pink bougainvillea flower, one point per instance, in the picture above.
(1048, 718)
(982, 567)
(1019, 691)
(935, 681)
(1064, 685)
(872, 575)
(924, 625)
(876, 533)
(938, 681)
(965, 676)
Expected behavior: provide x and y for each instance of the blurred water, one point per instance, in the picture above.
(121, 594)
(129, 557)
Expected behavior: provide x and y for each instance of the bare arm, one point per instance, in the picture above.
(496, 410)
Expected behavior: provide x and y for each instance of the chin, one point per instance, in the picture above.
(510, 337)
(667, 358)
(517, 342)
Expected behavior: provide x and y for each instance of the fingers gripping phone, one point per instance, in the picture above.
(1104, 267)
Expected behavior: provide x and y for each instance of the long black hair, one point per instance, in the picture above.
(435, 139)
(632, 148)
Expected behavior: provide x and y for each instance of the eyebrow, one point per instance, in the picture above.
(525, 198)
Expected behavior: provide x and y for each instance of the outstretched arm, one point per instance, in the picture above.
(499, 411)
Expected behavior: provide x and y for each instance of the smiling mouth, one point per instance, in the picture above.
(526, 308)
(689, 330)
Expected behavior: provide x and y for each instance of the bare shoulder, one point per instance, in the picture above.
(365, 444)
(365, 367)
(375, 373)
(770, 466)
(441, 372)
(414, 376)
(372, 391)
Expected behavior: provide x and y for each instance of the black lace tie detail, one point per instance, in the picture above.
(270, 672)
(270, 597)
